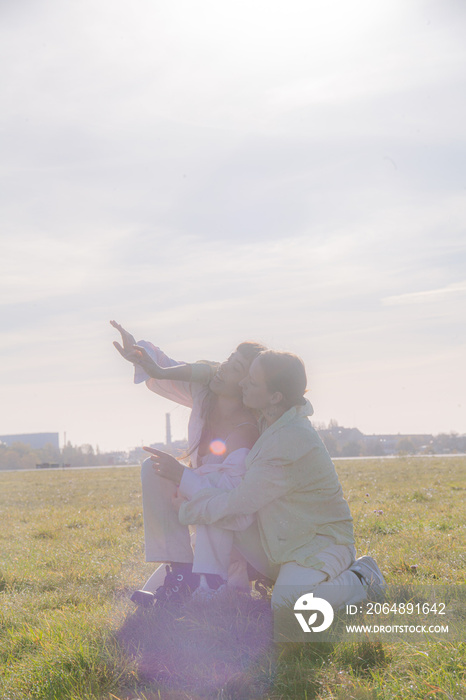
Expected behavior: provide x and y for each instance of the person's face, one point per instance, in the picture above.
(255, 392)
(230, 373)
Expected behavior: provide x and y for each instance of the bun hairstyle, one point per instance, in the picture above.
(285, 372)
(250, 349)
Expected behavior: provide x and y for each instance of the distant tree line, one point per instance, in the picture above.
(21, 456)
(350, 442)
(339, 441)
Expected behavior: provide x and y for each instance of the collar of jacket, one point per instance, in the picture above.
(290, 415)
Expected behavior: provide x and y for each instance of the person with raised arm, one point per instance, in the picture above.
(221, 432)
(302, 536)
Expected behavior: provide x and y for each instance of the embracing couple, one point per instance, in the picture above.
(261, 492)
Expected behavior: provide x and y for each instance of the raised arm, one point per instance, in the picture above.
(138, 355)
(169, 378)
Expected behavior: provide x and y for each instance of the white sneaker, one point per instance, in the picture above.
(369, 572)
(204, 592)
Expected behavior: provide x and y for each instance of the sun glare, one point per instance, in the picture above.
(217, 447)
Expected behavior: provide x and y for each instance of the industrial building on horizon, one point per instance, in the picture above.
(35, 440)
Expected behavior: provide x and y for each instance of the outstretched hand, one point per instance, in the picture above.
(128, 349)
(135, 353)
(165, 465)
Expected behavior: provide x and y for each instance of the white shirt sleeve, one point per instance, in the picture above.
(175, 390)
(225, 475)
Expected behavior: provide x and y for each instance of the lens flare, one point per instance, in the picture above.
(217, 447)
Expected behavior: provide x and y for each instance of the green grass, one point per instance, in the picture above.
(71, 550)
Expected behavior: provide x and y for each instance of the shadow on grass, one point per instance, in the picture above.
(221, 648)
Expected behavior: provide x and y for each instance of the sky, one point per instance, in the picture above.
(211, 172)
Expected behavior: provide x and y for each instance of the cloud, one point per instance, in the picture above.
(428, 296)
(209, 172)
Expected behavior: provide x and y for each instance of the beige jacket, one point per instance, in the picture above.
(291, 485)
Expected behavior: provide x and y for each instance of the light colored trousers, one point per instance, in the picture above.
(166, 540)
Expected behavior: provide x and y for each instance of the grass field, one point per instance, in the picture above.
(71, 551)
